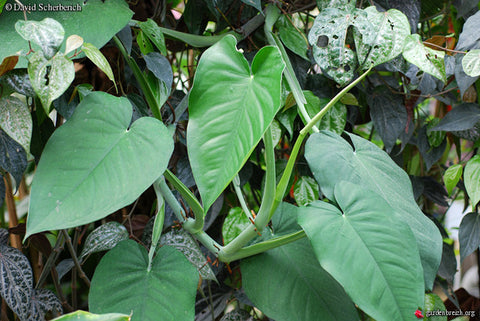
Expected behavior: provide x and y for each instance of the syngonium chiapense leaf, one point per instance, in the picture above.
(48, 34)
(50, 78)
(95, 164)
(367, 165)
(16, 280)
(429, 60)
(103, 238)
(15, 120)
(303, 281)
(371, 252)
(390, 30)
(328, 39)
(231, 105)
(126, 286)
(87, 316)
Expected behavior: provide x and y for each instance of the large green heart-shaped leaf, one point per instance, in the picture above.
(332, 159)
(371, 252)
(390, 30)
(94, 20)
(95, 164)
(328, 38)
(123, 284)
(231, 105)
(306, 291)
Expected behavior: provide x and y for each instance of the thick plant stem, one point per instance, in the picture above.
(15, 240)
(149, 96)
(187, 223)
(263, 246)
(189, 198)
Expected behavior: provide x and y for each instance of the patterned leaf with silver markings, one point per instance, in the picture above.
(183, 242)
(104, 238)
(41, 302)
(3, 236)
(16, 280)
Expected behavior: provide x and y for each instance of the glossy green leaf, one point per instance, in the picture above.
(471, 63)
(48, 34)
(305, 190)
(184, 242)
(2, 4)
(231, 105)
(17, 80)
(371, 252)
(95, 164)
(155, 34)
(335, 118)
(50, 78)
(364, 163)
(144, 43)
(426, 59)
(306, 291)
(87, 316)
(435, 137)
(235, 222)
(99, 60)
(451, 177)
(469, 234)
(471, 178)
(15, 120)
(103, 238)
(293, 38)
(94, 20)
(433, 304)
(328, 38)
(122, 285)
(257, 4)
(390, 29)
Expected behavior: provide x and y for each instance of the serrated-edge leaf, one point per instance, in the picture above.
(229, 100)
(50, 78)
(155, 34)
(104, 238)
(99, 60)
(363, 230)
(429, 60)
(469, 234)
(16, 280)
(185, 243)
(471, 177)
(48, 34)
(15, 120)
(390, 29)
(471, 63)
(452, 176)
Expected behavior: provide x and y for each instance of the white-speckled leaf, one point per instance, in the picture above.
(41, 302)
(183, 242)
(471, 63)
(48, 34)
(104, 238)
(15, 120)
(390, 30)
(50, 78)
(428, 60)
(73, 42)
(16, 280)
(328, 38)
